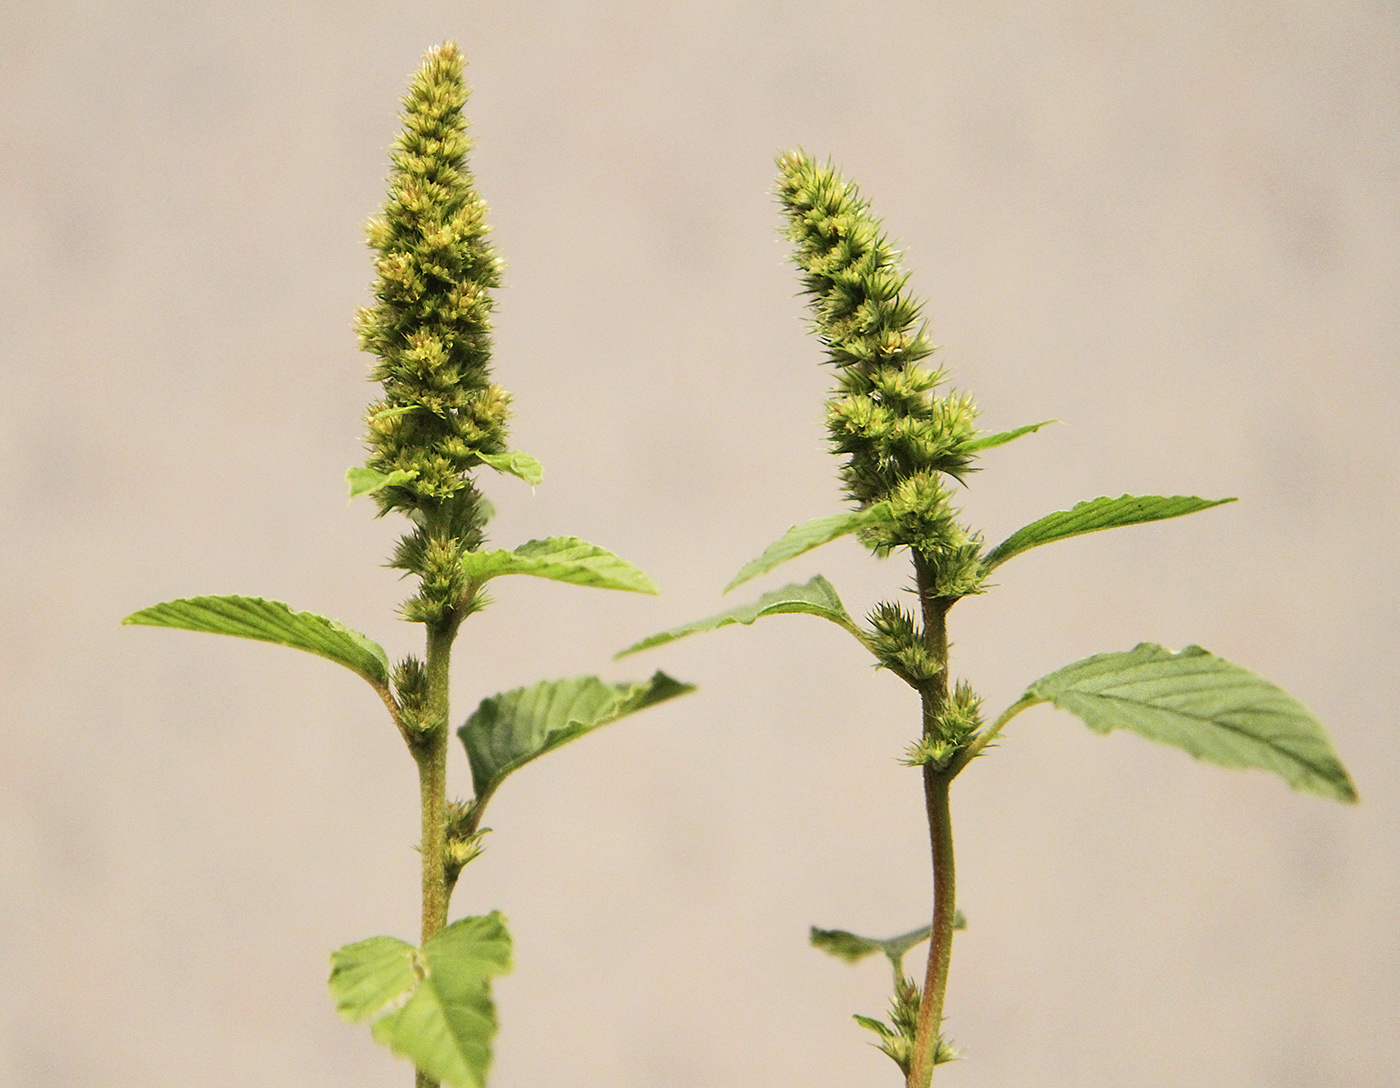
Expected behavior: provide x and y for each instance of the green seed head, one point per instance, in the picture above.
(898, 437)
(430, 324)
(430, 327)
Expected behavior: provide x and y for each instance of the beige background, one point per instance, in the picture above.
(1172, 226)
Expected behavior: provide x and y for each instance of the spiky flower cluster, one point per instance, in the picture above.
(896, 1039)
(898, 438)
(430, 327)
(898, 645)
(464, 843)
(956, 723)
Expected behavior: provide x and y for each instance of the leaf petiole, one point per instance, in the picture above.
(973, 750)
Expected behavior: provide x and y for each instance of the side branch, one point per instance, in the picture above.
(392, 705)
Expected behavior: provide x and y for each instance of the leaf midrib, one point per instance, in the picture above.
(1223, 725)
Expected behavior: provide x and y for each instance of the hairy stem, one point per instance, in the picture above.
(934, 696)
(934, 610)
(940, 953)
(431, 755)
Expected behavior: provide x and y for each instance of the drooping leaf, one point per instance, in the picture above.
(844, 945)
(509, 730)
(811, 534)
(366, 481)
(515, 463)
(1093, 515)
(816, 598)
(430, 1005)
(1205, 705)
(272, 621)
(852, 948)
(563, 559)
(991, 441)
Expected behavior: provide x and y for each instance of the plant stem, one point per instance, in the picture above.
(431, 755)
(934, 696)
(940, 953)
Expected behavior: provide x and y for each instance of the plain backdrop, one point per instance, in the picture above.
(1171, 226)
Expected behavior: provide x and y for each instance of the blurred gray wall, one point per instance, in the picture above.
(1171, 226)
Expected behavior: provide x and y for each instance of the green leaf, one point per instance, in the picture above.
(816, 598)
(809, 535)
(845, 945)
(366, 481)
(1203, 704)
(272, 621)
(871, 1024)
(852, 948)
(516, 464)
(991, 441)
(374, 975)
(431, 1005)
(509, 730)
(564, 559)
(1093, 515)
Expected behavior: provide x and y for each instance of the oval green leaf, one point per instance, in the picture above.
(815, 598)
(509, 730)
(431, 1005)
(366, 481)
(811, 534)
(1092, 516)
(1204, 705)
(371, 976)
(562, 559)
(272, 621)
(515, 463)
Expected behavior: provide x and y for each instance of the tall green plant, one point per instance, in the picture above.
(904, 442)
(440, 420)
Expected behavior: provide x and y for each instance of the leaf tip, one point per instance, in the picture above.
(668, 687)
(636, 647)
